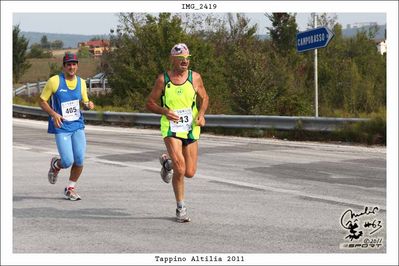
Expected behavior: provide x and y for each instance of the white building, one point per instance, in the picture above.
(364, 24)
(382, 47)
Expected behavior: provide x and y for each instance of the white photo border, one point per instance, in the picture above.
(8, 8)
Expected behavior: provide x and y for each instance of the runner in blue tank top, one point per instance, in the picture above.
(66, 91)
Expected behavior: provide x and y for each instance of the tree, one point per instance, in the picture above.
(44, 42)
(240, 29)
(208, 42)
(20, 46)
(324, 19)
(283, 32)
(246, 63)
(84, 52)
(352, 75)
(243, 74)
(55, 69)
(289, 69)
(372, 70)
(143, 44)
(36, 51)
(57, 44)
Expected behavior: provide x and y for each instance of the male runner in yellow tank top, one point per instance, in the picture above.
(178, 91)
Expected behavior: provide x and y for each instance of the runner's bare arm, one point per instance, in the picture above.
(202, 97)
(57, 118)
(152, 101)
(87, 104)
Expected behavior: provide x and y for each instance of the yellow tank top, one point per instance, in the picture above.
(181, 98)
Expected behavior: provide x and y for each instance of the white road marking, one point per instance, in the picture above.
(22, 147)
(249, 185)
(289, 191)
(124, 130)
(51, 152)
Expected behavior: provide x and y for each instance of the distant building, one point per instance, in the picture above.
(364, 24)
(382, 47)
(97, 47)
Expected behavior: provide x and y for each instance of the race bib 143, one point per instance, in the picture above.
(185, 121)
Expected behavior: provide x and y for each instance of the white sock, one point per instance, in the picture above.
(71, 184)
(180, 204)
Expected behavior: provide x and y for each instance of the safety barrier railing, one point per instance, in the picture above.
(223, 121)
(96, 86)
(30, 88)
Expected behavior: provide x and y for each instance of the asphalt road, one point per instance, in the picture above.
(248, 196)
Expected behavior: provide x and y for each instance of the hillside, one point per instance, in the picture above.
(352, 32)
(69, 40)
(40, 69)
(348, 33)
(72, 40)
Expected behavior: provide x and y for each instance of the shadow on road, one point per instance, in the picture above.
(87, 213)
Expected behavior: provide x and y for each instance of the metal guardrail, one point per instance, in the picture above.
(93, 86)
(30, 88)
(97, 85)
(224, 121)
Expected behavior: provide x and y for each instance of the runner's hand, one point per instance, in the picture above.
(172, 116)
(57, 120)
(89, 105)
(200, 120)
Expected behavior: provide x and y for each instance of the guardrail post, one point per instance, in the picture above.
(89, 85)
(38, 87)
(28, 89)
(42, 84)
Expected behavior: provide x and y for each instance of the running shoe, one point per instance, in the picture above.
(181, 215)
(54, 170)
(166, 170)
(70, 193)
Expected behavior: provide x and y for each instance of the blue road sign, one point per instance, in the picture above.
(313, 39)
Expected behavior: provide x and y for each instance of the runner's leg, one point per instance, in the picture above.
(79, 150)
(174, 147)
(190, 153)
(64, 146)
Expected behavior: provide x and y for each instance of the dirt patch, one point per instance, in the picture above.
(40, 68)
(61, 52)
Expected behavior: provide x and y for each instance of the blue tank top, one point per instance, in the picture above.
(66, 102)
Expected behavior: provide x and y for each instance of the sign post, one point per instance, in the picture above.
(311, 40)
(316, 77)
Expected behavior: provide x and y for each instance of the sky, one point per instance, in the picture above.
(101, 23)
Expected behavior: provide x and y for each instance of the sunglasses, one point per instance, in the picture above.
(182, 57)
